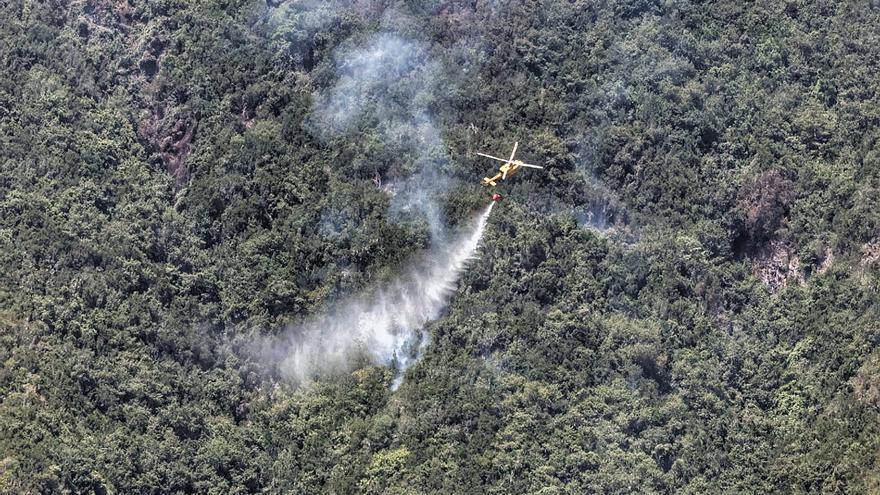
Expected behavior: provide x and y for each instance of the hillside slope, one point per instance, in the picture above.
(685, 300)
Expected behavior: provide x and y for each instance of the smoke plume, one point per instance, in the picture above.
(383, 328)
(381, 99)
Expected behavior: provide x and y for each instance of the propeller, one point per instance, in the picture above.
(493, 157)
(515, 144)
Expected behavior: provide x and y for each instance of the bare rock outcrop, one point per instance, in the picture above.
(871, 252)
(777, 265)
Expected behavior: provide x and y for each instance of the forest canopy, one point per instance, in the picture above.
(685, 300)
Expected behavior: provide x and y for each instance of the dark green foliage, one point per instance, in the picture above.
(684, 301)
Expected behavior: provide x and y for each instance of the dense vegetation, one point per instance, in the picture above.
(686, 300)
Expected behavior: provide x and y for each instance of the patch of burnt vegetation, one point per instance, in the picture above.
(762, 211)
(169, 139)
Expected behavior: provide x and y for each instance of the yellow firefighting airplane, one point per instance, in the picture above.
(510, 166)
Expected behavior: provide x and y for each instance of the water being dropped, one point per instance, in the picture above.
(385, 327)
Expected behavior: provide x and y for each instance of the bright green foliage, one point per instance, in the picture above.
(684, 301)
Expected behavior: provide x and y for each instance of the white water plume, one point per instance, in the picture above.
(385, 327)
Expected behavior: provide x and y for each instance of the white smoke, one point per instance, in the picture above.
(383, 328)
(386, 88)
